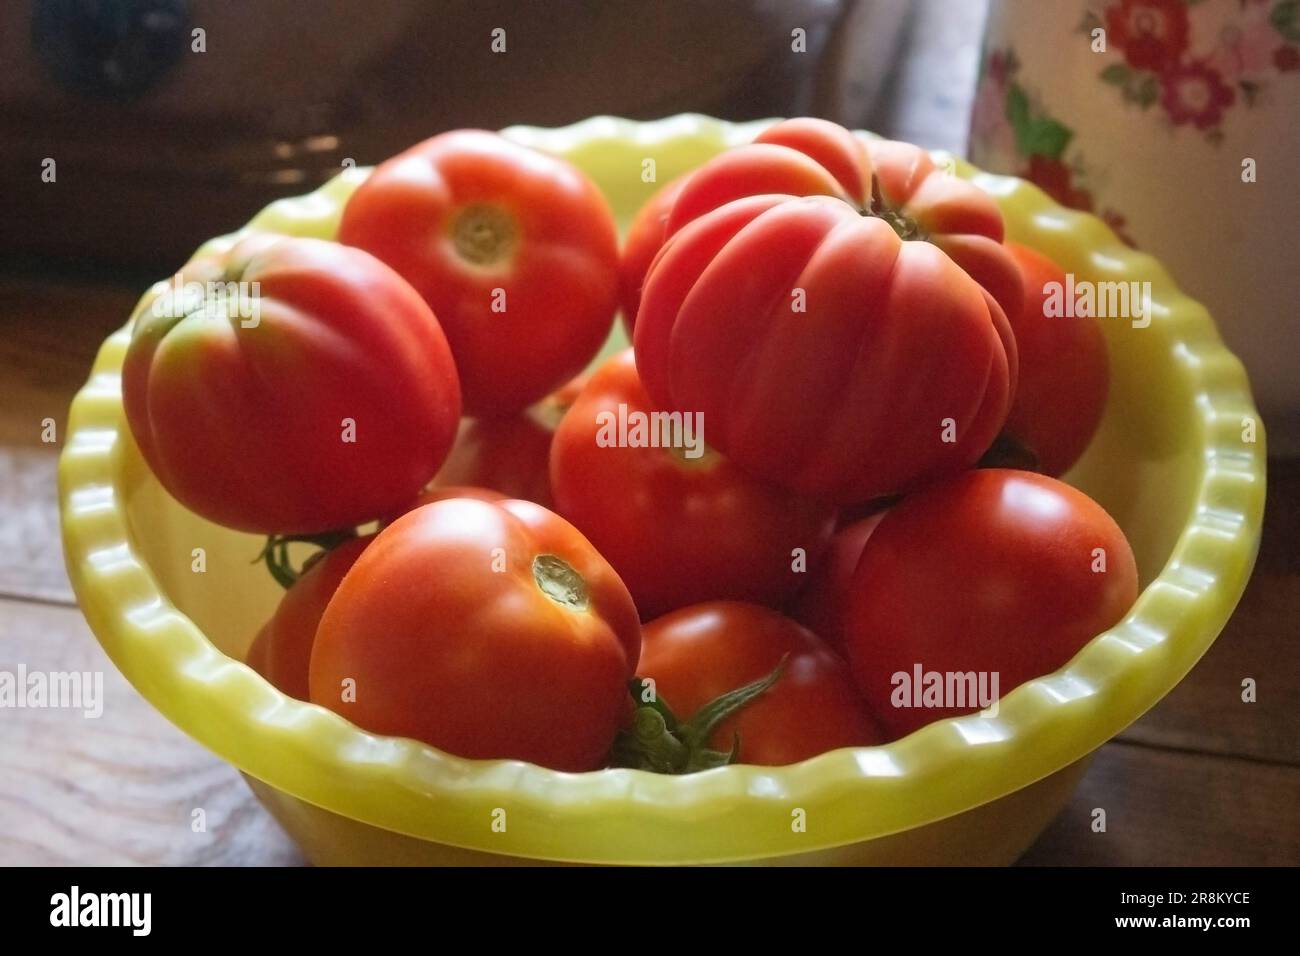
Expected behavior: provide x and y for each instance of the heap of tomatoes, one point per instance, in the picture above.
(827, 466)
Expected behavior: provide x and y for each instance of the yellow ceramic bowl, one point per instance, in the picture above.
(1171, 463)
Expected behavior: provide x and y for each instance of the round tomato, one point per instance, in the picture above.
(680, 524)
(443, 492)
(281, 651)
(997, 574)
(489, 630)
(290, 386)
(516, 252)
(1064, 374)
(826, 354)
(509, 455)
(698, 653)
(820, 606)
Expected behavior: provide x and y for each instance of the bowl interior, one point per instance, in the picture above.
(1142, 467)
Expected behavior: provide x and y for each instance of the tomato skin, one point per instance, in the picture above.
(443, 492)
(813, 157)
(822, 605)
(480, 662)
(798, 398)
(798, 157)
(281, 651)
(644, 238)
(952, 213)
(1064, 372)
(510, 455)
(697, 653)
(990, 571)
(264, 404)
(677, 530)
(467, 213)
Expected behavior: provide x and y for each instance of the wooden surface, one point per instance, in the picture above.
(1202, 779)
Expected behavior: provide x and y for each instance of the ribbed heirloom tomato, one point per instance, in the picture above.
(489, 630)
(994, 572)
(698, 653)
(516, 252)
(812, 157)
(826, 354)
(679, 524)
(644, 238)
(303, 387)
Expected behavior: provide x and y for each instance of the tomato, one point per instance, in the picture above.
(1064, 374)
(678, 529)
(826, 354)
(509, 455)
(924, 201)
(644, 237)
(820, 606)
(993, 573)
(812, 157)
(330, 401)
(798, 157)
(698, 653)
(516, 251)
(489, 630)
(443, 492)
(801, 157)
(282, 649)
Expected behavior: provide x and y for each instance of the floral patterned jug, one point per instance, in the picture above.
(1177, 122)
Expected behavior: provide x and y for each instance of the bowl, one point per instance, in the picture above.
(1172, 462)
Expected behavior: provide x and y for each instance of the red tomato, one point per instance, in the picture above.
(487, 630)
(698, 653)
(644, 237)
(282, 649)
(799, 157)
(821, 605)
(926, 202)
(516, 252)
(1064, 375)
(992, 572)
(330, 402)
(429, 495)
(509, 455)
(826, 354)
(811, 157)
(677, 529)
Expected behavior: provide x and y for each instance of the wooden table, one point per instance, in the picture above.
(1202, 779)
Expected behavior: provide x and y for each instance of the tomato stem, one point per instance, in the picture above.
(657, 741)
(483, 234)
(905, 227)
(275, 553)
